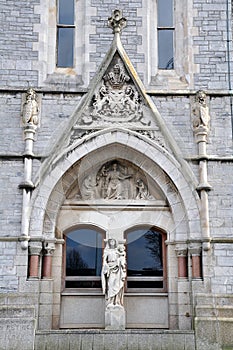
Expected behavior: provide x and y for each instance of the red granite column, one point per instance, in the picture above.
(35, 249)
(182, 262)
(196, 262)
(47, 261)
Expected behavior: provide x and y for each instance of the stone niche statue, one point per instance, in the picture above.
(31, 109)
(114, 273)
(201, 112)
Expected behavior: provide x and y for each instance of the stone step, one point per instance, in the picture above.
(214, 299)
(214, 311)
(114, 340)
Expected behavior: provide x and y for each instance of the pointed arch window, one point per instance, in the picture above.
(146, 260)
(165, 30)
(83, 258)
(65, 33)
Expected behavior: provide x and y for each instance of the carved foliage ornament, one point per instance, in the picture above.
(117, 22)
(115, 181)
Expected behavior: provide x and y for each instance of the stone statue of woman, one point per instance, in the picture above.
(113, 273)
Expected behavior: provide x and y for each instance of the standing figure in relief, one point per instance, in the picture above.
(113, 273)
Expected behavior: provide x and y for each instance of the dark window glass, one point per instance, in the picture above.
(65, 47)
(165, 49)
(165, 13)
(83, 255)
(145, 284)
(66, 12)
(65, 33)
(83, 284)
(144, 253)
(165, 34)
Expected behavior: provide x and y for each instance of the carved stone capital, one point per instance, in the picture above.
(117, 22)
(48, 249)
(181, 251)
(201, 133)
(35, 248)
(195, 249)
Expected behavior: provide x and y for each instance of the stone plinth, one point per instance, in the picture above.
(17, 325)
(114, 317)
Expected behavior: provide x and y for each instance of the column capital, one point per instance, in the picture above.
(35, 248)
(48, 248)
(195, 249)
(181, 250)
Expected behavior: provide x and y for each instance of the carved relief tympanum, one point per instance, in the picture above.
(115, 181)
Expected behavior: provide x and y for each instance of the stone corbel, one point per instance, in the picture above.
(34, 249)
(181, 252)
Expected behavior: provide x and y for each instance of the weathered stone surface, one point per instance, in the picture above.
(17, 324)
(117, 340)
(115, 318)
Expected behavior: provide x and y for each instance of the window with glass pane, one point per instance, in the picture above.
(65, 33)
(83, 258)
(145, 260)
(165, 34)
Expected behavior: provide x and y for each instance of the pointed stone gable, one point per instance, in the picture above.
(117, 97)
(116, 100)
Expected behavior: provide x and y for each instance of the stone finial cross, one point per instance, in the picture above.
(117, 22)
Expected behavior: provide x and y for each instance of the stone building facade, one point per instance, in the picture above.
(116, 124)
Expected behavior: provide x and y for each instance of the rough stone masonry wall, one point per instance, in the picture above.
(103, 36)
(210, 42)
(16, 43)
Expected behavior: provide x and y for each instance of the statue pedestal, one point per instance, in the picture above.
(115, 317)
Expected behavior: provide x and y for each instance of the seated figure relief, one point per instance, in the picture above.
(115, 181)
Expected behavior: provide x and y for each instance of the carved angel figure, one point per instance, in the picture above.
(30, 109)
(200, 111)
(113, 273)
